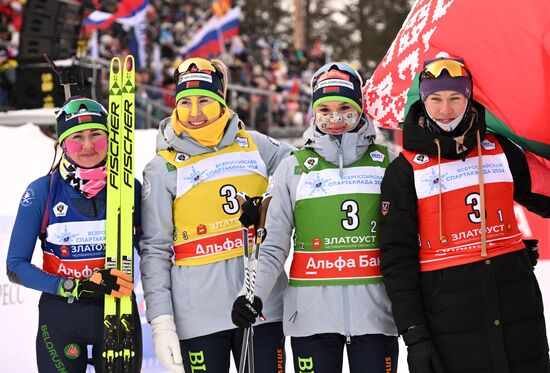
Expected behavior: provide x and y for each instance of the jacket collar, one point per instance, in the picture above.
(167, 139)
(419, 138)
(350, 146)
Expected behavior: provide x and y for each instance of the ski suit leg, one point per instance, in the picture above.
(378, 352)
(209, 353)
(269, 347)
(64, 332)
(319, 353)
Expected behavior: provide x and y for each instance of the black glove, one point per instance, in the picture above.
(251, 212)
(104, 281)
(532, 248)
(244, 313)
(422, 355)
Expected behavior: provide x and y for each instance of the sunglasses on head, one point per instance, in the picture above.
(454, 68)
(81, 106)
(334, 66)
(199, 63)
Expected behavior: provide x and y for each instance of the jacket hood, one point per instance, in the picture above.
(168, 140)
(351, 145)
(419, 138)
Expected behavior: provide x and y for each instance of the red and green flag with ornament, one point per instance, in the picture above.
(506, 46)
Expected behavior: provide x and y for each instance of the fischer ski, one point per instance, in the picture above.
(126, 254)
(110, 318)
(119, 354)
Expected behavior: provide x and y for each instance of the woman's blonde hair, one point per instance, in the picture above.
(224, 71)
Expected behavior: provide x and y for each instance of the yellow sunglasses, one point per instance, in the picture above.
(454, 68)
(200, 63)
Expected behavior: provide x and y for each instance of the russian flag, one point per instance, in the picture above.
(129, 12)
(207, 41)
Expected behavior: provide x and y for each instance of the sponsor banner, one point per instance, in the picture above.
(459, 174)
(77, 233)
(80, 269)
(341, 264)
(325, 182)
(11, 294)
(219, 166)
(209, 246)
(333, 83)
(195, 76)
(467, 254)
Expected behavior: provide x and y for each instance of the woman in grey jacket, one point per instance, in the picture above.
(328, 193)
(191, 263)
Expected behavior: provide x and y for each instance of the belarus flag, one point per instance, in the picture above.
(331, 89)
(506, 46)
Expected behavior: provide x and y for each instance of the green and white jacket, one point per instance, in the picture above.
(327, 199)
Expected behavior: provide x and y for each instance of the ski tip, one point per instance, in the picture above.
(115, 64)
(129, 63)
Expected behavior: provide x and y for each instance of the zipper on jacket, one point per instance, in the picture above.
(340, 158)
(347, 313)
(437, 285)
(293, 317)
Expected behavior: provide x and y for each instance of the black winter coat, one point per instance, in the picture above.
(486, 316)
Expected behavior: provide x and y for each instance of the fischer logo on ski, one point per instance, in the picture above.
(119, 354)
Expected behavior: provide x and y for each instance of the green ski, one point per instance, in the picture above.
(119, 355)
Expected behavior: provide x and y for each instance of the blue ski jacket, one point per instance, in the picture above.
(74, 242)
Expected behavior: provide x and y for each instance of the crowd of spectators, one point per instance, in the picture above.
(264, 65)
(269, 80)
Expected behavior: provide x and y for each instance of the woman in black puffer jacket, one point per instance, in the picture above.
(461, 282)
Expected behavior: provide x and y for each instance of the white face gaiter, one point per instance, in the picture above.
(448, 127)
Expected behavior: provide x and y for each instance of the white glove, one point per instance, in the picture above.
(166, 343)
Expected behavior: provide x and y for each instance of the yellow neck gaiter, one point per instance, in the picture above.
(209, 135)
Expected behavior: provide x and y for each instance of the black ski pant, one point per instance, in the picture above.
(210, 353)
(66, 329)
(324, 353)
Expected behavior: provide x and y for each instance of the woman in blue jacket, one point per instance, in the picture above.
(66, 209)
